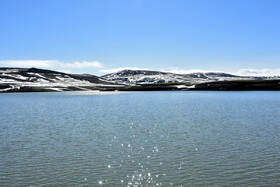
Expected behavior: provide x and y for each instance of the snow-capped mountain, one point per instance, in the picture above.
(144, 76)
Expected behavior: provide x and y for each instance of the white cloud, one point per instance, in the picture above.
(30, 63)
(182, 71)
(169, 70)
(242, 72)
(64, 70)
(259, 72)
(120, 69)
(50, 64)
(84, 64)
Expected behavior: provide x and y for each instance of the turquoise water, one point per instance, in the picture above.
(141, 139)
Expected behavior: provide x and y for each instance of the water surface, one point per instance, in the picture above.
(141, 138)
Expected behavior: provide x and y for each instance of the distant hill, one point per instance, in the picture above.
(144, 77)
(33, 79)
(38, 80)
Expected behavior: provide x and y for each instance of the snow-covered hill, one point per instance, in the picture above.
(33, 79)
(143, 76)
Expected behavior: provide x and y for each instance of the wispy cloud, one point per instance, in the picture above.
(183, 71)
(170, 70)
(51, 64)
(84, 64)
(30, 63)
(242, 72)
(259, 72)
(120, 69)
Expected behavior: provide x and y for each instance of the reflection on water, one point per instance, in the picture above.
(140, 139)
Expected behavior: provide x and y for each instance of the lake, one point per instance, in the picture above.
(178, 138)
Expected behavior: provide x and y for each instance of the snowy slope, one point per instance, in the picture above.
(143, 76)
(13, 79)
(33, 79)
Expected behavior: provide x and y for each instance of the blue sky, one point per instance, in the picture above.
(100, 36)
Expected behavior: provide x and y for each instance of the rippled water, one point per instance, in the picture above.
(140, 139)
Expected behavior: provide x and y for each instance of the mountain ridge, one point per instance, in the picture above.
(35, 79)
(148, 76)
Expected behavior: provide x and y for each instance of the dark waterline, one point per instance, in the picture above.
(142, 138)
